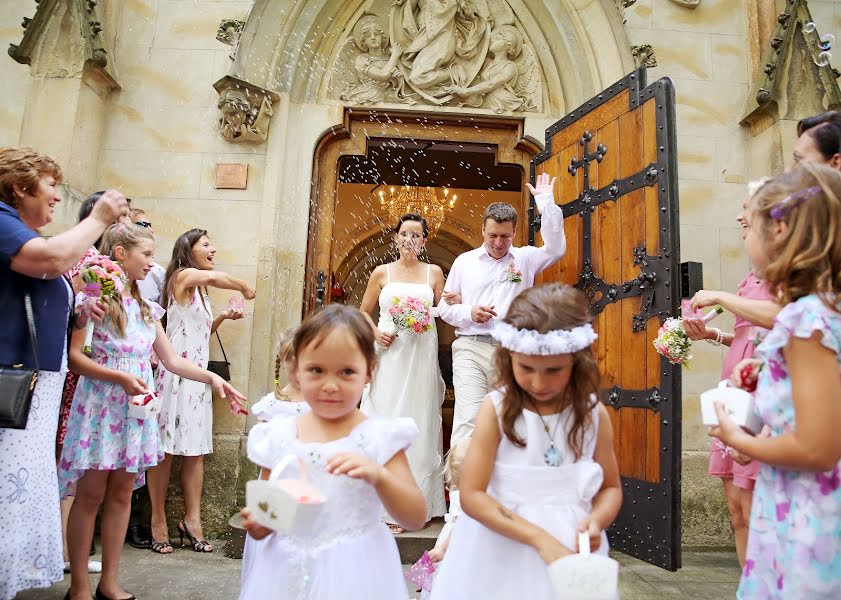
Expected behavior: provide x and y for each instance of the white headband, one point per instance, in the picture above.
(529, 341)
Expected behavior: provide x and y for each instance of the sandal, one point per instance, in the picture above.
(164, 547)
(395, 528)
(198, 545)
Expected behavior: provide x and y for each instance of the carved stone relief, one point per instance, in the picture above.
(644, 55)
(229, 33)
(440, 52)
(687, 3)
(62, 38)
(244, 110)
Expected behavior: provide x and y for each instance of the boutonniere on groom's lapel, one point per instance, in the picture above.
(512, 274)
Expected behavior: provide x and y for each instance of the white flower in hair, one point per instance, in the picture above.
(753, 186)
(558, 341)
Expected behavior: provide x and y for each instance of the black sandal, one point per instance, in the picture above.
(198, 545)
(164, 547)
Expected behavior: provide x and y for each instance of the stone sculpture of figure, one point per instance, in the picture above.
(500, 87)
(445, 41)
(376, 71)
(239, 120)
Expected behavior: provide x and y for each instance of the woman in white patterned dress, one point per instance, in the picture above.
(408, 381)
(186, 419)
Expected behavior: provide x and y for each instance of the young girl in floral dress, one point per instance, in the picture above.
(106, 452)
(793, 239)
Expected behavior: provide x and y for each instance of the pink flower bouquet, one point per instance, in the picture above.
(411, 315)
(103, 279)
(674, 344)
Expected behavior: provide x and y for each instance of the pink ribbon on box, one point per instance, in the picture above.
(237, 408)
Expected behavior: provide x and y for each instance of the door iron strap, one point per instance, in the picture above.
(650, 398)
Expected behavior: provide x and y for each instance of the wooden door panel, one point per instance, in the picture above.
(614, 157)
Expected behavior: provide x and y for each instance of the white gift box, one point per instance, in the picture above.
(283, 504)
(739, 404)
(584, 576)
(138, 410)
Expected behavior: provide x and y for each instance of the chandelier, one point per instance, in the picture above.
(422, 200)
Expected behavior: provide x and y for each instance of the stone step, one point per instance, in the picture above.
(412, 544)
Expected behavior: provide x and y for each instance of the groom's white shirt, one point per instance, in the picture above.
(482, 279)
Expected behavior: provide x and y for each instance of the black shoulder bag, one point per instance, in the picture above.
(17, 384)
(221, 367)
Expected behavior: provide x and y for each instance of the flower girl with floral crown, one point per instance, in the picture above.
(106, 450)
(358, 464)
(540, 467)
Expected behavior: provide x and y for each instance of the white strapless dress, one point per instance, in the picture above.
(408, 383)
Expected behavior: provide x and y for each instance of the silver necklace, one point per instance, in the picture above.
(551, 457)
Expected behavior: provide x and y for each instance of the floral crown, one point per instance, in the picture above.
(792, 201)
(529, 341)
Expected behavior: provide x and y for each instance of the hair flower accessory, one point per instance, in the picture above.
(512, 273)
(792, 201)
(529, 341)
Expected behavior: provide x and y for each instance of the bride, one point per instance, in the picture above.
(408, 382)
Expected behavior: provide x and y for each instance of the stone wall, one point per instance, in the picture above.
(156, 139)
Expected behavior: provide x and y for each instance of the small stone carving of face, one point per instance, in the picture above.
(374, 37)
(498, 43)
(369, 35)
(234, 108)
(507, 41)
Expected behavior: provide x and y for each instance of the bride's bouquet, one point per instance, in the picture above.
(103, 279)
(411, 315)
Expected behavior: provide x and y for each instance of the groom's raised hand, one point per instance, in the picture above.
(542, 185)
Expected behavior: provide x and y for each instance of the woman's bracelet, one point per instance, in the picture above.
(719, 336)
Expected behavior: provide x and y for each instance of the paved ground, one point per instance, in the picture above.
(186, 575)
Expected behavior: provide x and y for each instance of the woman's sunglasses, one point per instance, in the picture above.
(143, 223)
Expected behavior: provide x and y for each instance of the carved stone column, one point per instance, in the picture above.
(245, 110)
(72, 75)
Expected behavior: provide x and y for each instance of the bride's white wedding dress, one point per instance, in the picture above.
(408, 383)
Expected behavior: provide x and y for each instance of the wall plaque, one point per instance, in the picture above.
(231, 176)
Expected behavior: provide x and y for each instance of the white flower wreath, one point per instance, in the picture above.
(529, 341)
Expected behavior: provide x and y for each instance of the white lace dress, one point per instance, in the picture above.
(348, 553)
(408, 383)
(270, 406)
(186, 418)
(481, 563)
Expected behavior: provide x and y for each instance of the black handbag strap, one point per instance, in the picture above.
(30, 319)
(221, 347)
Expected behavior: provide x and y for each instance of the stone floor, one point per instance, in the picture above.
(189, 576)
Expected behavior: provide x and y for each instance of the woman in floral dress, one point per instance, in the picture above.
(792, 239)
(186, 419)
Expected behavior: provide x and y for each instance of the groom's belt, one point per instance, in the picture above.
(485, 339)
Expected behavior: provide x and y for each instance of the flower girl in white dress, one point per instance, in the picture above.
(358, 463)
(541, 466)
(288, 399)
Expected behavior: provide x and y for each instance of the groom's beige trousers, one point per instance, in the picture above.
(473, 378)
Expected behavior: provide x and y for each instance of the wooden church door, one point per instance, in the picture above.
(615, 162)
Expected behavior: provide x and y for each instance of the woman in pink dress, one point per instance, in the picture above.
(754, 310)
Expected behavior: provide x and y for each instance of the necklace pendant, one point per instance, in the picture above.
(552, 457)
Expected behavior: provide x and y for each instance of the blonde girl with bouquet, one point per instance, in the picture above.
(540, 467)
(793, 240)
(357, 462)
(106, 451)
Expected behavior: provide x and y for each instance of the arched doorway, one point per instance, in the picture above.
(482, 160)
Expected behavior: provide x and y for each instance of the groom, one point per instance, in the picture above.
(488, 278)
